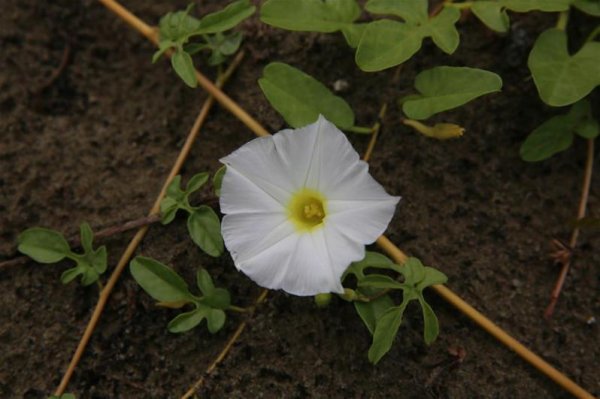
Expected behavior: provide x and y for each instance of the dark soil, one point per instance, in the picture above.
(96, 144)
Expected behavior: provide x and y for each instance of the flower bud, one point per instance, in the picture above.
(440, 131)
(322, 300)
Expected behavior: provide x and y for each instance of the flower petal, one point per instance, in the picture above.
(241, 195)
(361, 220)
(259, 162)
(298, 264)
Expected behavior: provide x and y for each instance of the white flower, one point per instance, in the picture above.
(299, 207)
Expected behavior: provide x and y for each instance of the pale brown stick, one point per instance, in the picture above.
(137, 238)
(445, 292)
(585, 192)
(375, 133)
(230, 342)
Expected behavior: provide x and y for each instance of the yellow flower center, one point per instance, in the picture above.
(307, 209)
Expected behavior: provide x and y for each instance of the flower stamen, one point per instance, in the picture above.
(307, 209)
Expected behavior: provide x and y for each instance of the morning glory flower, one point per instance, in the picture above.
(299, 208)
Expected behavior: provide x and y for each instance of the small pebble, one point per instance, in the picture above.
(340, 85)
(591, 321)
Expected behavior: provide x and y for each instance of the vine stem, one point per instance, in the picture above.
(75, 240)
(583, 200)
(399, 256)
(139, 235)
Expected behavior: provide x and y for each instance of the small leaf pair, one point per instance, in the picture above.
(203, 223)
(49, 246)
(556, 134)
(170, 290)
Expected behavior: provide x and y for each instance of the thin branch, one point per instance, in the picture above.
(581, 210)
(137, 239)
(375, 133)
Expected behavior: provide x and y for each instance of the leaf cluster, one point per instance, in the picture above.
(557, 133)
(49, 246)
(376, 307)
(170, 290)
(176, 29)
(203, 224)
(379, 44)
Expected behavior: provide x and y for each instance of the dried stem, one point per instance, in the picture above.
(136, 240)
(566, 264)
(230, 342)
(375, 133)
(398, 255)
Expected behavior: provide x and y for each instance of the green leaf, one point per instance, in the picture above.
(562, 79)
(310, 15)
(300, 98)
(215, 320)
(431, 277)
(70, 274)
(168, 210)
(353, 33)
(492, 14)
(204, 282)
(88, 276)
(413, 271)
(177, 26)
(591, 7)
(159, 281)
(583, 122)
(186, 321)
(443, 31)
(184, 67)
(43, 245)
(553, 136)
(443, 88)
(163, 46)
(431, 326)
(98, 259)
(193, 48)
(205, 229)
(225, 19)
(231, 43)
(87, 237)
(588, 129)
(413, 11)
(370, 311)
(196, 182)
(174, 189)
(218, 179)
(540, 5)
(387, 43)
(371, 259)
(63, 396)
(219, 298)
(385, 332)
(379, 281)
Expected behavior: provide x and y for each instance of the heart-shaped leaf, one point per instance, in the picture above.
(300, 98)
(443, 88)
(562, 79)
(492, 14)
(310, 15)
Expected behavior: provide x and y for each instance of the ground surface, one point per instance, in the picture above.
(96, 144)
